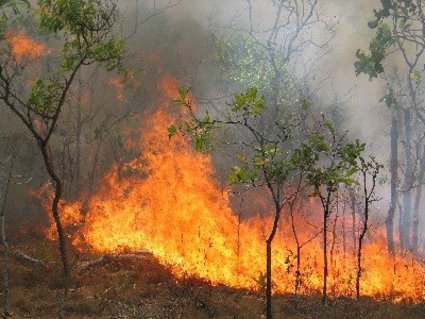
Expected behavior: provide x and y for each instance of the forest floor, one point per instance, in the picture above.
(142, 288)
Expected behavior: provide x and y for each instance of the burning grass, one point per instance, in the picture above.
(171, 206)
(143, 288)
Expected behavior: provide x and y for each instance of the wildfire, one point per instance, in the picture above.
(25, 47)
(171, 206)
(118, 84)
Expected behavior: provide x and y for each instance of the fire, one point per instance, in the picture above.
(25, 47)
(170, 205)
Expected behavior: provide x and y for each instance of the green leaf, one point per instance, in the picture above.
(249, 101)
(44, 96)
(241, 175)
(172, 130)
(415, 76)
(305, 104)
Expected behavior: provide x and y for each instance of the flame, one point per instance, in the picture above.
(119, 85)
(171, 206)
(24, 47)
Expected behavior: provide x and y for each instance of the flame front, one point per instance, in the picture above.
(171, 206)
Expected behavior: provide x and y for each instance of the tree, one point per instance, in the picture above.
(4, 191)
(265, 160)
(86, 27)
(366, 169)
(283, 163)
(399, 26)
(334, 165)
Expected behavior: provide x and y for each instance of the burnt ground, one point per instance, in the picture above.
(142, 288)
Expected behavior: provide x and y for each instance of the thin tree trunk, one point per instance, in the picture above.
(4, 190)
(415, 234)
(61, 235)
(55, 210)
(298, 260)
(269, 241)
(344, 239)
(326, 206)
(334, 236)
(325, 259)
(353, 219)
(372, 169)
(389, 222)
(361, 237)
(78, 150)
(269, 314)
(405, 219)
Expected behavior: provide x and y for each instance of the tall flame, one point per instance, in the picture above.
(171, 206)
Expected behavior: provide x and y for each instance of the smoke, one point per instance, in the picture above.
(178, 40)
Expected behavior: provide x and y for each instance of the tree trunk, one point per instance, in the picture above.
(4, 190)
(55, 211)
(415, 234)
(334, 238)
(269, 314)
(405, 219)
(326, 203)
(79, 128)
(297, 241)
(59, 228)
(353, 219)
(344, 239)
(362, 235)
(325, 257)
(269, 241)
(389, 222)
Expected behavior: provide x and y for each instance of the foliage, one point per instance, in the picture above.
(323, 157)
(245, 63)
(371, 64)
(44, 97)
(398, 23)
(250, 102)
(86, 25)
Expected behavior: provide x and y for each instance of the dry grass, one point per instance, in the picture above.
(145, 289)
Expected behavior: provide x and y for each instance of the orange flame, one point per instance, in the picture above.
(172, 207)
(119, 85)
(25, 47)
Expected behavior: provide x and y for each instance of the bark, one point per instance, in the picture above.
(334, 237)
(78, 151)
(325, 258)
(55, 212)
(4, 188)
(361, 237)
(367, 169)
(326, 212)
(418, 196)
(269, 241)
(344, 239)
(389, 222)
(298, 260)
(405, 217)
(353, 219)
(269, 314)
